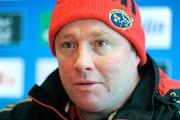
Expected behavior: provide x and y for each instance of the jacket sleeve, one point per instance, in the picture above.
(5, 113)
(166, 84)
(169, 91)
(16, 111)
(174, 95)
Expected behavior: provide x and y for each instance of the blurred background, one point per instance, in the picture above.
(25, 58)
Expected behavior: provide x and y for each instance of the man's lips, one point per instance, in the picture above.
(86, 82)
(86, 85)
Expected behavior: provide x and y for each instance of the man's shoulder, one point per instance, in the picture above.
(166, 84)
(19, 109)
(168, 97)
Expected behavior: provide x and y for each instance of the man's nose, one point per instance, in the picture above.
(84, 61)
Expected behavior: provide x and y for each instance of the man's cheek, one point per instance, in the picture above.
(65, 68)
(112, 64)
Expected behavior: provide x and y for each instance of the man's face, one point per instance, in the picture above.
(98, 67)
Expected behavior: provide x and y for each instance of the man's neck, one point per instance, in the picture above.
(84, 115)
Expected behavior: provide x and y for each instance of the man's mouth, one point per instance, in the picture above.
(86, 85)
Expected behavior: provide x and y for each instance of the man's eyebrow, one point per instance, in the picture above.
(97, 33)
(94, 34)
(66, 35)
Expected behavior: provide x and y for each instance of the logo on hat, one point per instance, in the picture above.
(120, 19)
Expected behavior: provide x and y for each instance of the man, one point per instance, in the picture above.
(104, 72)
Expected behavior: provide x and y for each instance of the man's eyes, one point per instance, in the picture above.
(101, 43)
(99, 46)
(98, 43)
(68, 44)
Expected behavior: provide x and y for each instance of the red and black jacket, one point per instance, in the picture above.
(155, 98)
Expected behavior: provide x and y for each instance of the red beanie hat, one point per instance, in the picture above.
(121, 15)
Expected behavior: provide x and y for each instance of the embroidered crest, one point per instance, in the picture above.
(120, 19)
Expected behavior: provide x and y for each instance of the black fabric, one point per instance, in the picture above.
(166, 108)
(19, 111)
(133, 7)
(51, 93)
(124, 2)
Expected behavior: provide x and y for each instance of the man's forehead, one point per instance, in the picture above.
(91, 27)
(95, 33)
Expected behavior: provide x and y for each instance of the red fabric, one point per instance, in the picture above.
(67, 11)
(166, 84)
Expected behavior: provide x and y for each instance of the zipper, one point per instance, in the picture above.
(112, 115)
(50, 107)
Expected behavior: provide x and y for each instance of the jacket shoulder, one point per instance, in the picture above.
(166, 84)
(16, 111)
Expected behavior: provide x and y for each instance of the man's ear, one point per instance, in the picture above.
(136, 55)
(55, 45)
(137, 59)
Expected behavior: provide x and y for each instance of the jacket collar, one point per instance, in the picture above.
(140, 104)
(51, 94)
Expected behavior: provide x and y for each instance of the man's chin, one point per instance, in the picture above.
(90, 106)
